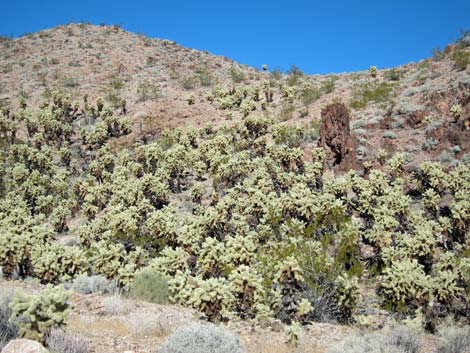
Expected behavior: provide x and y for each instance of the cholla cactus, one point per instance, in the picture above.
(303, 310)
(373, 71)
(347, 295)
(246, 285)
(191, 100)
(405, 283)
(293, 332)
(36, 314)
(456, 111)
(212, 297)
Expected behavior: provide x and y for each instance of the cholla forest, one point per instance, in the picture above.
(294, 209)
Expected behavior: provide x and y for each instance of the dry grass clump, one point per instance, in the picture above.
(398, 339)
(453, 339)
(114, 305)
(60, 341)
(8, 331)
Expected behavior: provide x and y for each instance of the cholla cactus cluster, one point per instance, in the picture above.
(268, 232)
(36, 314)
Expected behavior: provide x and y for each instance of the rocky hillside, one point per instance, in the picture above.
(134, 170)
(419, 108)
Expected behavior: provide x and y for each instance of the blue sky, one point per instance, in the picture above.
(317, 36)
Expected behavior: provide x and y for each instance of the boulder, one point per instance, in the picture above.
(24, 346)
(336, 138)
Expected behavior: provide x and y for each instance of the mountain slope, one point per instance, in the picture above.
(404, 109)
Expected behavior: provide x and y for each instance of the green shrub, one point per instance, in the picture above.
(376, 93)
(293, 75)
(150, 285)
(461, 58)
(393, 74)
(189, 82)
(198, 338)
(237, 75)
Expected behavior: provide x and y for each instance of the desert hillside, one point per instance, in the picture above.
(159, 198)
(418, 108)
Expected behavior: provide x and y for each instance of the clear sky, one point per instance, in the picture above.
(317, 36)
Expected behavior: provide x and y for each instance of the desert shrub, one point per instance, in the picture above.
(93, 284)
(198, 338)
(401, 336)
(60, 341)
(287, 112)
(370, 343)
(328, 86)
(390, 135)
(438, 54)
(309, 94)
(147, 91)
(399, 339)
(150, 285)
(113, 97)
(461, 58)
(430, 144)
(371, 92)
(8, 330)
(204, 76)
(113, 305)
(293, 75)
(453, 339)
(276, 74)
(36, 314)
(237, 75)
(189, 82)
(445, 157)
(393, 74)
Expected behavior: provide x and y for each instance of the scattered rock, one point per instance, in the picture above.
(416, 118)
(24, 346)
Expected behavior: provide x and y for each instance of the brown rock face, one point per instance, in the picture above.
(24, 346)
(336, 138)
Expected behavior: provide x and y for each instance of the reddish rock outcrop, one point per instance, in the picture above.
(336, 138)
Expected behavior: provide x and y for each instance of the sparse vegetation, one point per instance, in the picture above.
(147, 91)
(375, 93)
(237, 75)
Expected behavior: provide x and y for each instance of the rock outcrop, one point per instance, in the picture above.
(336, 138)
